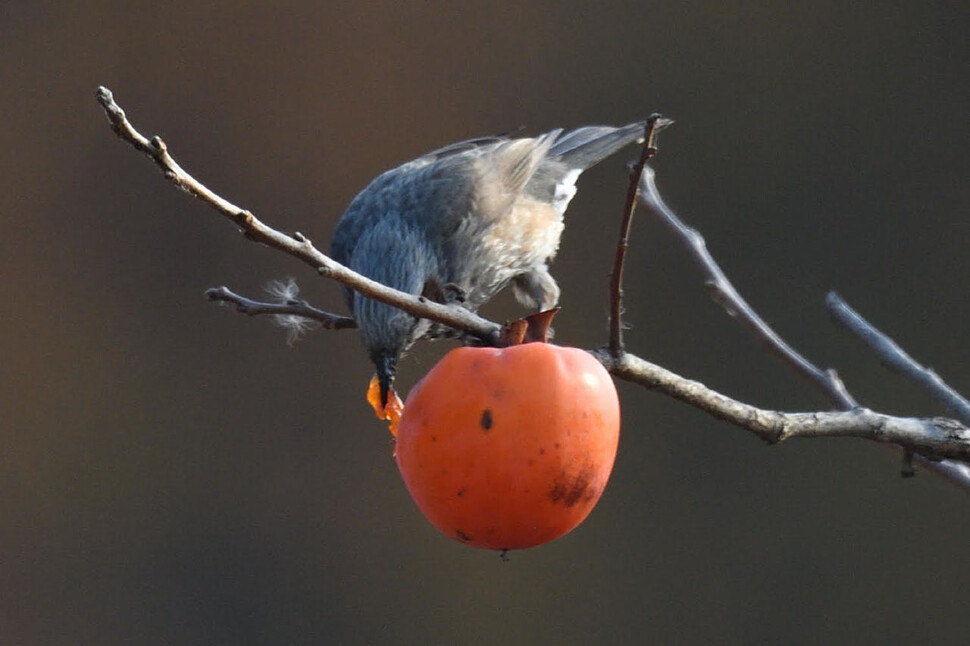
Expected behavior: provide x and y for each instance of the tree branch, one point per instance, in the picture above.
(936, 437)
(724, 293)
(292, 307)
(654, 123)
(297, 245)
(897, 358)
(933, 438)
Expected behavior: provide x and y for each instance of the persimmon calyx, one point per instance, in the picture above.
(534, 328)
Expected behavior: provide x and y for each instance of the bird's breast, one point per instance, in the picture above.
(528, 235)
(525, 237)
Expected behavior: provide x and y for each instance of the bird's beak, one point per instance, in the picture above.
(386, 367)
(380, 394)
(390, 411)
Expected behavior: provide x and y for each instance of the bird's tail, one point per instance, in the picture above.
(581, 148)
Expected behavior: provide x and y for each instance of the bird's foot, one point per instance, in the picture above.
(452, 294)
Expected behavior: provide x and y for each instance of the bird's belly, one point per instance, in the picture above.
(526, 238)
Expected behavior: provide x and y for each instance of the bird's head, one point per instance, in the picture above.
(386, 332)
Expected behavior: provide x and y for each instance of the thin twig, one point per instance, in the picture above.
(897, 358)
(724, 293)
(297, 245)
(653, 123)
(294, 307)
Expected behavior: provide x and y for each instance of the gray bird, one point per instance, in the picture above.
(462, 222)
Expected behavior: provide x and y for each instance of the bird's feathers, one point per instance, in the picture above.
(475, 214)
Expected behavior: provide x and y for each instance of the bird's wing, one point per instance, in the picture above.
(572, 153)
(470, 181)
(583, 147)
(460, 147)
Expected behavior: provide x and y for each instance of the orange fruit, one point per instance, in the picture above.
(508, 448)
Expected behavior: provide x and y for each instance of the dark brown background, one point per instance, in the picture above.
(173, 473)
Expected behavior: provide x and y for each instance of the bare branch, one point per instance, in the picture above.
(897, 358)
(724, 293)
(290, 308)
(653, 124)
(935, 437)
(297, 245)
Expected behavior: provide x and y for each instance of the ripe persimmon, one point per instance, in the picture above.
(508, 448)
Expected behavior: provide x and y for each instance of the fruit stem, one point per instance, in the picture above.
(532, 329)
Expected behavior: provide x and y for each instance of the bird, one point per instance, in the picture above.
(459, 224)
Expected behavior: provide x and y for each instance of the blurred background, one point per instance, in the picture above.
(172, 472)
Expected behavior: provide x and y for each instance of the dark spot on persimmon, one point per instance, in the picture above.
(486, 421)
(569, 491)
(462, 536)
(461, 492)
(542, 451)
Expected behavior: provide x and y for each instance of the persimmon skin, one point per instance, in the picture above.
(509, 448)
